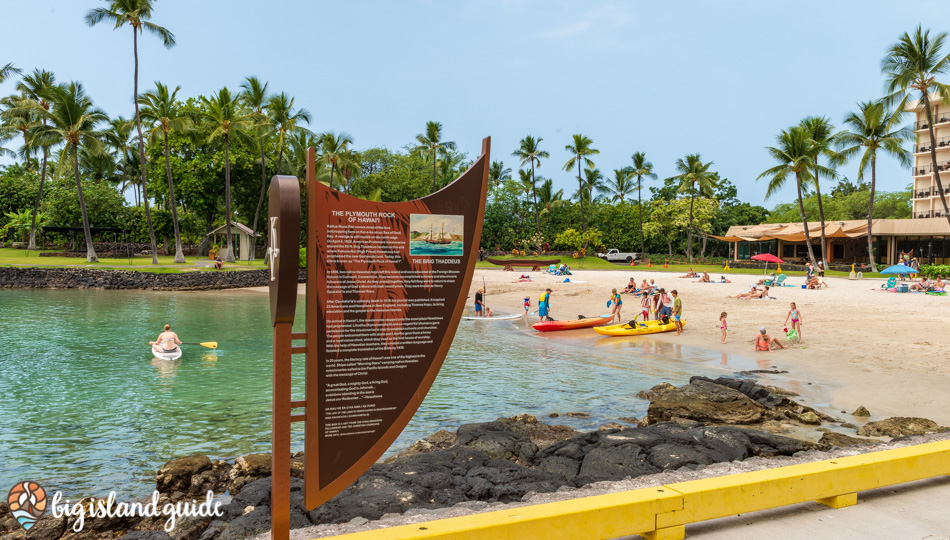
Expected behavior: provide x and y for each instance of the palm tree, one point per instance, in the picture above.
(498, 174)
(910, 69)
(593, 181)
(33, 89)
(7, 70)
(874, 128)
(284, 119)
(580, 151)
(794, 155)
(548, 198)
(229, 122)
(135, 13)
(160, 111)
(117, 138)
(18, 118)
(255, 97)
(431, 143)
(72, 121)
(641, 168)
(530, 151)
(524, 183)
(335, 152)
(820, 131)
(694, 176)
(299, 141)
(619, 186)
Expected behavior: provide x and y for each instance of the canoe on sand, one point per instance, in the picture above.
(587, 322)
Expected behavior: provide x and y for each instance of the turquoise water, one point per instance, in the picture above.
(421, 247)
(87, 410)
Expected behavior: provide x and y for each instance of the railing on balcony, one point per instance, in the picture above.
(923, 215)
(924, 146)
(924, 193)
(927, 169)
(939, 118)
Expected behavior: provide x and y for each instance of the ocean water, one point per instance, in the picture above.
(421, 247)
(87, 410)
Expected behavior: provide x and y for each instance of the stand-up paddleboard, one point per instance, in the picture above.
(496, 318)
(173, 355)
(549, 326)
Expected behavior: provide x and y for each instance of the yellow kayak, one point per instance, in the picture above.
(641, 328)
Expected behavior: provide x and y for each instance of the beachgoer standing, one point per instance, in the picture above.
(527, 305)
(479, 303)
(796, 317)
(663, 305)
(677, 311)
(617, 303)
(544, 305)
(723, 326)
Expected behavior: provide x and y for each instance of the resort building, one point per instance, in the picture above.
(927, 238)
(925, 195)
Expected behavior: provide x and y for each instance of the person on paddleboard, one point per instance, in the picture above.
(167, 341)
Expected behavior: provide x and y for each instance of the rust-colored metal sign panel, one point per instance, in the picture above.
(283, 226)
(386, 287)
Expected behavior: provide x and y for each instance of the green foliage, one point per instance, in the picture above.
(935, 270)
(577, 240)
(887, 205)
(302, 261)
(19, 223)
(18, 188)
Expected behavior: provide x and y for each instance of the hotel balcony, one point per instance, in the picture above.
(941, 118)
(926, 170)
(930, 192)
(928, 214)
(943, 143)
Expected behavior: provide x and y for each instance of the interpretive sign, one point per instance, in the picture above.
(386, 288)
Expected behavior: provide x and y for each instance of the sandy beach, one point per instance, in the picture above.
(886, 351)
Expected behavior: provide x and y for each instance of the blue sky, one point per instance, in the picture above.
(720, 78)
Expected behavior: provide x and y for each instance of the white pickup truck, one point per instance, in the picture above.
(614, 255)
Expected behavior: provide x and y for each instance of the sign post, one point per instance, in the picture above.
(386, 288)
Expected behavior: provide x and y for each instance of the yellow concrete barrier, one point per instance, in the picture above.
(661, 513)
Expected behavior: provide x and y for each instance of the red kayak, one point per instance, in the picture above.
(550, 326)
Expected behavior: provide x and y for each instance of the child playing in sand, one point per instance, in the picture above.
(723, 326)
(796, 317)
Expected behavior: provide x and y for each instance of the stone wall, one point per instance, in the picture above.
(82, 278)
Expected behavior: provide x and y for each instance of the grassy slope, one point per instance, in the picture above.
(22, 257)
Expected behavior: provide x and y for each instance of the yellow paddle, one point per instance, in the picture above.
(208, 344)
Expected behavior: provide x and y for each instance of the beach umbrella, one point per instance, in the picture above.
(767, 257)
(899, 269)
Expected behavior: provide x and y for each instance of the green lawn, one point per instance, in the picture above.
(22, 257)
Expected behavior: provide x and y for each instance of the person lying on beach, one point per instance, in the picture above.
(690, 274)
(765, 342)
(722, 279)
(705, 278)
(922, 286)
(630, 288)
(764, 293)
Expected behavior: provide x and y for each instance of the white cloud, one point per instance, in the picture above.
(601, 17)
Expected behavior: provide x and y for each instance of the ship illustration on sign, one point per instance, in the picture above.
(433, 234)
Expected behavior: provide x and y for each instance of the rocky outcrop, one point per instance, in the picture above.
(840, 440)
(899, 426)
(83, 278)
(705, 401)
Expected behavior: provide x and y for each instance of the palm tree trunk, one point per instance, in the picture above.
(580, 191)
(433, 171)
(933, 155)
(36, 206)
(871, 211)
(801, 211)
(260, 201)
(640, 214)
(689, 230)
(179, 254)
(229, 256)
(138, 126)
(280, 155)
(821, 217)
(537, 212)
(90, 249)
